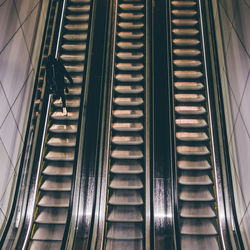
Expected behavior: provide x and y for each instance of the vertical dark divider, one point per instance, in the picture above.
(162, 130)
(92, 126)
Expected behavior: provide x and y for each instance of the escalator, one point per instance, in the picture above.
(54, 188)
(196, 188)
(126, 195)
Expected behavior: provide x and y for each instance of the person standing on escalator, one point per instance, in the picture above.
(55, 72)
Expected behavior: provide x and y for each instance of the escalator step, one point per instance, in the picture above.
(183, 3)
(54, 184)
(193, 150)
(189, 136)
(128, 113)
(130, 45)
(54, 199)
(187, 63)
(70, 116)
(60, 156)
(127, 140)
(48, 232)
(78, 18)
(131, 167)
(189, 242)
(187, 52)
(184, 13)
(74, 90)
(124, 244)
(125, 231)
(77, 79)
(72, 58)
(194, 210)
(131, 6)
(74, 68)
(193, 165)
(194, 178)
(131, 16)
(42, 244)
(59, 169)
(129, 89)
(72, 103)
(190, 110)
(129, 77)
(190, 74)
(185, 41)
(131, 25)
(186, 32)
(120, 153)
(189, 97)
(74, 47)
(128, 101)
(188, 85)
(73, 27)
(63, 128)
(129, 66)
(69, 141)
(125, 214)
(130, 55)
(78, 9)
(130, 35)
(126, 182)
(122, 126)
(198, 227)
(191, 123)
(76, 37)
(126, 197)
(52, 216)
(184, 22)
(202, 194)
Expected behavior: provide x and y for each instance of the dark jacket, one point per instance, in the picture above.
(55, 72)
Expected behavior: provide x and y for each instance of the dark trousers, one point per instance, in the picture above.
(62, 95)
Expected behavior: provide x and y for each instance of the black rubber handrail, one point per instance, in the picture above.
(163, 163)
(30, 128)
(173, 132)
(93, 121)
(237, 233)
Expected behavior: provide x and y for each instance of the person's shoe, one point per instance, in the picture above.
(65, 111)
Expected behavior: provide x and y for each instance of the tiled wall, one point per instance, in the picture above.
(235, 30)
(19, 21)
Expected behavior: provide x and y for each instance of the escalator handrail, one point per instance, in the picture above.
(163, 162)
(28, 139)
(173, 131)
